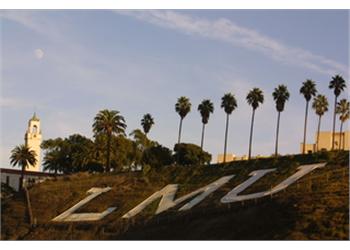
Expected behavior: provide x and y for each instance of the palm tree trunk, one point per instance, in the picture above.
(277, 132)
(20, 187)
(180, 127)
(334, 114)
(108, 152)
(202, 140)
(340, 136)
(305, 125)
(318, 132)
(226, 133)
(251, 135)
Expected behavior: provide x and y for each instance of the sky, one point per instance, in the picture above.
(68, 65)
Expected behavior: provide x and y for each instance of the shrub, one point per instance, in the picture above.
(157, 156)
(190, 154)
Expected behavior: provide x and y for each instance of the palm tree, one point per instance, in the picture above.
(338, 84)
(343, 109)
(320, 105)
(280, 95)
(229, 104)
(53, 161)
(308, 89)
(108, 122)
(23, 156)
(182, 107)
(254, 98)
(205, 108)
(146, 123)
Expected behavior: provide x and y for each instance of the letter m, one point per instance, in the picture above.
(168, 194)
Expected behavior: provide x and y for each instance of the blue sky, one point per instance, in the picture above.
(68, 65)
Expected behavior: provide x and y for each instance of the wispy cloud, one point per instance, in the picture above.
(227, 31)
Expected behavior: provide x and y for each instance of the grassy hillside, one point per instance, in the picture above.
(317, 207)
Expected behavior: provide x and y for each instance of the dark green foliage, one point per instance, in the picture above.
(109, 123)
(69, 155)
(23, 157)
(147, 122)
(308, 89)
(157, 156)
(337, 84)
(190, 154)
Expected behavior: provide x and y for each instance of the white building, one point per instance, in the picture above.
(11, 177)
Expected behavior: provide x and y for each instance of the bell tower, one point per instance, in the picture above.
(33, 140)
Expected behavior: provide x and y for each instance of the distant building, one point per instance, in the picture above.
(230, 157)
(325, 142)
(11, 177)
(33, 140)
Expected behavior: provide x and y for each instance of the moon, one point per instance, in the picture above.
(39, 53)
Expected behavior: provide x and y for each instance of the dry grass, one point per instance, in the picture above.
(306, 211)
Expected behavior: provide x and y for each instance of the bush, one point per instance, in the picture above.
(157, 156)
(190, 154)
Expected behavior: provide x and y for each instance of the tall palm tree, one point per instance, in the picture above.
(254, 98)
(308, 90)
(205, 108)
(343, 109)
(182, 107)
(22, 156)
(338, 85)
(280, 95)
(108, 122)
(147, 122)
(229, 104)
(320, 105)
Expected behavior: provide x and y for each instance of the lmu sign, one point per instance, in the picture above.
(167, 195)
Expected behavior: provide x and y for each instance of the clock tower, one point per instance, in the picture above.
(33, 140)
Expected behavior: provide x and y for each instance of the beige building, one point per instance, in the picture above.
(33, 140)
(325, 142)
(230, 157)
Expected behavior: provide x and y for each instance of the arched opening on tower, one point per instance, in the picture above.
(35, 129)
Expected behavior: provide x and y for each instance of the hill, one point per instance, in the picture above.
(316, 207)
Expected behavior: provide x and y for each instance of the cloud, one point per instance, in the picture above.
(227, 31)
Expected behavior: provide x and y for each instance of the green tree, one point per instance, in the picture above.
(140, 144)
(320, 105)
(56, 156)
(69, 155)
(254, 98)
(338, 85)
(229, 104)
(109, 122)
(308, 90)
(343, 110)
(190, 154)
(147, 122)
(22, 156)
(205, 108)
(157, 156)
(182, 107)
(54, 161)
(280, 96)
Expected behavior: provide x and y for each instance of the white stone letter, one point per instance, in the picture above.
(168, 193)
(233, 196)
(69, 214)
